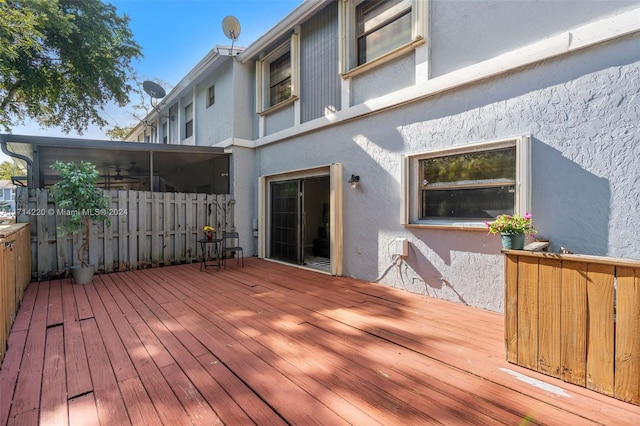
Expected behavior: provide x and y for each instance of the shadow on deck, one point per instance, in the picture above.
(269, 344)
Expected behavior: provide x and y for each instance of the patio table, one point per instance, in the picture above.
(217, 250)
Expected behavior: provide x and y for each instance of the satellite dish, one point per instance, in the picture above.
(231, 29)
(153, 89)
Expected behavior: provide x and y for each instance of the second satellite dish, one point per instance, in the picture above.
(153, 89)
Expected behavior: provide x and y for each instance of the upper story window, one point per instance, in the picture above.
(165, 134)
(468, 185)
(277, 75)
(381, 26)
(211, 98)
(379, 30)
(188, 121)
(280, 79)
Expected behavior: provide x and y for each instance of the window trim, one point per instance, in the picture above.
(347, 35)
(263, 75)
(410, 182)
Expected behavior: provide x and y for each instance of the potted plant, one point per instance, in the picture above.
(208, 232)
(513, 229)
(82, 203)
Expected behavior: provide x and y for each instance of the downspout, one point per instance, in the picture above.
(3, 147)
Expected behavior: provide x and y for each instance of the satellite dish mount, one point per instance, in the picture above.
(231, 29)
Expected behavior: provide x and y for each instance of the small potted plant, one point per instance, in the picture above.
(208, 232)
(513, 229)
(82, 203)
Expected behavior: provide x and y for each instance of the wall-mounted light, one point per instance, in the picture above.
(354, 181)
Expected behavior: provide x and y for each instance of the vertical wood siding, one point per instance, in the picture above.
(319, 78)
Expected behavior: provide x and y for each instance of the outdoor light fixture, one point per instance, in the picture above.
(354, 181)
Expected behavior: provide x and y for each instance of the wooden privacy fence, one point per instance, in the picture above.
(15, 274)
(148, 229)
(576, 318)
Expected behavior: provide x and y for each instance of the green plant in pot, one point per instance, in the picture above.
(82, 203)
(513, 229)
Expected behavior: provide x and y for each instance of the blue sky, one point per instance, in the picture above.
(175, 35)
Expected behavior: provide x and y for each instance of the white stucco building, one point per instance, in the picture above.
(449, 112)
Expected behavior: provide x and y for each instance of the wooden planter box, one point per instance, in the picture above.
(575, 317)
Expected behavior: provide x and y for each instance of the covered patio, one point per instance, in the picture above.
(269, 344)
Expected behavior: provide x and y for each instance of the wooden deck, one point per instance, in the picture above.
(270, 344)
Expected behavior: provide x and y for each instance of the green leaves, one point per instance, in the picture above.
(512, 224)
(62, 61)
(79, 200)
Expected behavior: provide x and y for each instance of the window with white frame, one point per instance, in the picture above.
(211, 96)
(165, 133)
(468, 184)
(277, 76)
(188, 121)
(280, 79)
(373, 29)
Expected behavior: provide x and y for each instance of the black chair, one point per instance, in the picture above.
(231, 243)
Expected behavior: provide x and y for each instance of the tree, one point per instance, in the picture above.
(8, 169)
(63, 61)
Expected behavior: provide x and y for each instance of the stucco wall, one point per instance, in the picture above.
(215, 123)
(387, 78)
(582, 111)
(244, 191)
(464, 32)
(279, 119)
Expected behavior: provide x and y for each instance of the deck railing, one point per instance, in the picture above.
(15, 274)
(575, 317)
(147, 229)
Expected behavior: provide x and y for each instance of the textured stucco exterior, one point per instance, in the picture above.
(564, 73)
(582, 113)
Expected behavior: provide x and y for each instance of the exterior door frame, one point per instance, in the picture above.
(334, 171)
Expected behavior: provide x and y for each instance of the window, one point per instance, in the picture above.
(277, 76)
(280, 79)
(381, 26)
(469, 184)
(379, 30)
(165, 135)
(188, 121)
(211, 99)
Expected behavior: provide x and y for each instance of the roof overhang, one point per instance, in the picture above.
(296, 17)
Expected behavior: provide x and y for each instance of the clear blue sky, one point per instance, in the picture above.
(175, 35)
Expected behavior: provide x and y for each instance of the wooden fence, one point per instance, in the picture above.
(576, 318)
(15, 274)
(148, 229)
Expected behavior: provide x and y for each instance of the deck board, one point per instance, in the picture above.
(269, 344)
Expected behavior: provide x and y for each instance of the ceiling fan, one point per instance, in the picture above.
(134, 170)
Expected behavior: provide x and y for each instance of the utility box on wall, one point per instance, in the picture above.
(400, 247)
